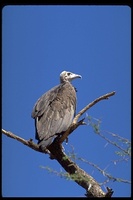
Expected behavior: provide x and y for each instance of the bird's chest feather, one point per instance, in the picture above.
(65, 98)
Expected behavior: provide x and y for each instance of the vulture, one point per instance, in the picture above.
(54, 111)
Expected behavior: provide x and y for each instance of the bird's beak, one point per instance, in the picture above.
(74, 76)
(78, 76)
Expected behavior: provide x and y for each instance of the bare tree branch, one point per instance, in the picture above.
(92, 188)
(86, 181)
(28, 143)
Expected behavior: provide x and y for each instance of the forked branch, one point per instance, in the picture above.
(86, 181)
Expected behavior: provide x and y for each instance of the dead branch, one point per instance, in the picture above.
(28, 143)
(86, 181)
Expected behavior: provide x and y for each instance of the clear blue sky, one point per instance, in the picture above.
(38, 43)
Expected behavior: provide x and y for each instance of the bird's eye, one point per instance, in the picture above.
(68, 73)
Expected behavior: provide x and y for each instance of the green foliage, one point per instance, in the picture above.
(95, 123)
(67, 176)
(121, 143)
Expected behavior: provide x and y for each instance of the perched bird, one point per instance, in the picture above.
(54, 111)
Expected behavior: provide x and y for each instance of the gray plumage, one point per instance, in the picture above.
(54, 111)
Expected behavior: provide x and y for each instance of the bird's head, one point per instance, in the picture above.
(68, 76)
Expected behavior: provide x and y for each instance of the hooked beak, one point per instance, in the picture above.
(74, 76)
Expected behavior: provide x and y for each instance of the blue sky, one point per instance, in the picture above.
(38, 43)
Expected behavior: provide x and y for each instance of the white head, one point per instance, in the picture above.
(68, 76)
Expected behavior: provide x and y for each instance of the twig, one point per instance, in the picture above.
(113, 143)
(104, 173)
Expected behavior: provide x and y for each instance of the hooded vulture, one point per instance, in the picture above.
(54, 111)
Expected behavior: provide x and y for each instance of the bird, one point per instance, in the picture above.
(54, 111)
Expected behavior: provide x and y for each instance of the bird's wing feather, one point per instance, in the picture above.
(41, 105)
(54, 111)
